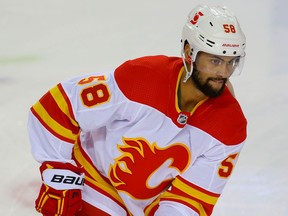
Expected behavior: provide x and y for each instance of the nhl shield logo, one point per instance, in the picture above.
(182, 119)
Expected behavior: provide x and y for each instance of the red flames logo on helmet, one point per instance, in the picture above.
(134, 172)
(196, 17)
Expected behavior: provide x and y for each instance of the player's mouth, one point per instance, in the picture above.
(218, 80)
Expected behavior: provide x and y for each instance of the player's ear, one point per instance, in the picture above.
(187, 53)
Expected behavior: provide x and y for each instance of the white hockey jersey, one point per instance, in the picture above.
(142, 155)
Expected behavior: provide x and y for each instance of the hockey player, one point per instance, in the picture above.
(156, 136)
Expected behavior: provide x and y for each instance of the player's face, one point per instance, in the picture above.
(211, 72)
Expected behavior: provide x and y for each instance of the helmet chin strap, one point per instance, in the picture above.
(187, 72)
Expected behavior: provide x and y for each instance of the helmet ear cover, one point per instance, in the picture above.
(214, 30)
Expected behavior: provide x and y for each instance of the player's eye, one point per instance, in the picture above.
(216, 62)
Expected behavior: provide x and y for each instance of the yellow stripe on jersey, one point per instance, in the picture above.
(191, 191)
(178, 86)
(174, 197)
(62, 104)
(97, 179)
(152, 207)
(54, 126)
(184, 192)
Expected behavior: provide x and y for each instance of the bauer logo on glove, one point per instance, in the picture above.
(63, 179)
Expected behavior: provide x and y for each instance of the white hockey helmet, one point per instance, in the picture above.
(214, 30)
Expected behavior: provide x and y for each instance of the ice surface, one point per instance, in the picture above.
(44, 42)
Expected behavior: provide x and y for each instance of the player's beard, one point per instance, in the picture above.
(205, 87)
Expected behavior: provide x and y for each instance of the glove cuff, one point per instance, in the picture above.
(60, 179)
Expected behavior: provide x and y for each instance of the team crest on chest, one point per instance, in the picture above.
(136, 171)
